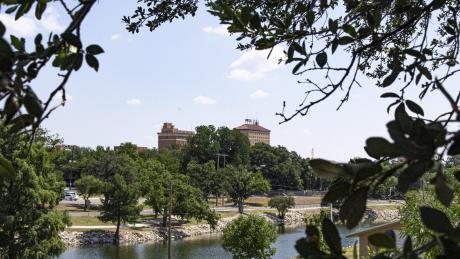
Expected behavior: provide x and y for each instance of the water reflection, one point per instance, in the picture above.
(194, 248)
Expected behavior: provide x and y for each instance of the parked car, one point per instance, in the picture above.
(71, 196)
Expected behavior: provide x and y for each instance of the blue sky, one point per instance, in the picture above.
(190, 73)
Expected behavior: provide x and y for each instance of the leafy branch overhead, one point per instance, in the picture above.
(400, 44)
(19, 67)
(394, 42)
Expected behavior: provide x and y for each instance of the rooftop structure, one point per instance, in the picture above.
(172, 137)
(255, 132)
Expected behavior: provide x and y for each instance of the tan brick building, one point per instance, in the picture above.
(255, 132)
(172, 137)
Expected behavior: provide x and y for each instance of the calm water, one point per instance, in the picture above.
(197, 248)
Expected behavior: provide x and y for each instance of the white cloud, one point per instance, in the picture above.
(200, 99)
(259, 94)
(133, 101)
(253, 65)
(221, 30)
(50, 20)
(27, 26)
(115, 36)
(22, 27)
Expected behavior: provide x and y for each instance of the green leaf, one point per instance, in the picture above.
(78, 62)
(457, 175)
(326, 169)
(21, 122)
(72, 39)
(6, 56)
(33, 104)
(345, 40)
(338, 190)
(449, 30)
(94, 49)
(413, 52)
(352, 210)
(438, 4)
(297, 67)
(412, 173)
(17, 43)
(391, 78)
(321, 59)
(6, 168)
(350, 30)
(444, 191)
(389, 95)
(454, 149)
(407, 248)
(2, 29)
(40, 9)
(24, 8)
(92, 61)
(404, 120)
(331, 236)
(425, 72)
(382, 240)
(415, 108)
(377, 148)
(298, 48)
(310, 18)
(333, 25)
(435, 220)
(11, 9)
(334, 45)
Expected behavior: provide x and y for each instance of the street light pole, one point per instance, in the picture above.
(169, 222)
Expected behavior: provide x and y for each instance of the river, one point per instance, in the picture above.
(191, 248)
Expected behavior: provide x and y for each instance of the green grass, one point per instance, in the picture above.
(88, 221)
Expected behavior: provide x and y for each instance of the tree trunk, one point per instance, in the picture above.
(241, 206)
(165, 217)
(86, 204)
(217, 200)
(116, 238)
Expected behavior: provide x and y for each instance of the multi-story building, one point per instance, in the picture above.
(171, 137)
(255, 132)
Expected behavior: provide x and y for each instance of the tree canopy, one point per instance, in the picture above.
(250, 237)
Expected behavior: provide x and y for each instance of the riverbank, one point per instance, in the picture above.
(154, 233)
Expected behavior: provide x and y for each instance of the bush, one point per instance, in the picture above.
(281, 204)
(250, 237)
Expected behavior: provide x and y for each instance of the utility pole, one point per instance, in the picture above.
(218, 159)
(169, 222)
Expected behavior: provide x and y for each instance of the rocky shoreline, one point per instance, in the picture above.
(159, 234)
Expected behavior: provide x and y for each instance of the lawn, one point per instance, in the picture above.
(262, 201)
(88, 221)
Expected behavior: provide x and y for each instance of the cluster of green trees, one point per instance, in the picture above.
(29, 193)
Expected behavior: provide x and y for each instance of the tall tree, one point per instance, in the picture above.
(283, 168)
(234, 145)
(89, 186)
(187, 201)
(241, 184)
(250, 237)
(121, 205)
(29, 225)
(202, 176)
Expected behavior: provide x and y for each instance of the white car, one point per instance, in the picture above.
(71, 196)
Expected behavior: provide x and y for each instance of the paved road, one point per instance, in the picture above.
(96, 201)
